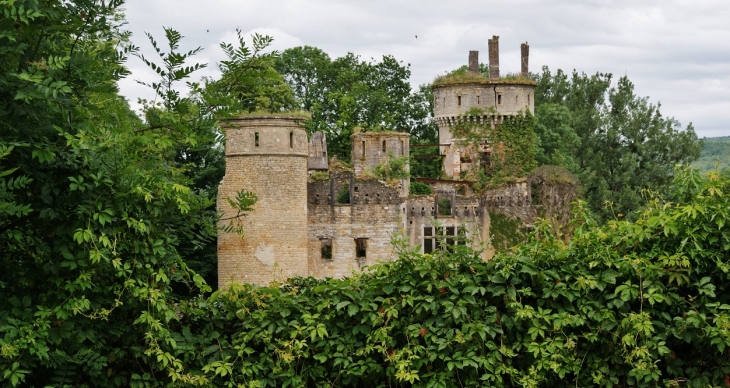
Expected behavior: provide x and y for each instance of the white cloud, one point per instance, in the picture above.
(675, 51)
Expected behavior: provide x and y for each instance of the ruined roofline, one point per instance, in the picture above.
(288, 116)
(446, 81)
(381, 134)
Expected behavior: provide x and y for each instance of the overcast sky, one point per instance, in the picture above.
(675, 52)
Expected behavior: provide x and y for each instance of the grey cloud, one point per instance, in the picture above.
(677, 52)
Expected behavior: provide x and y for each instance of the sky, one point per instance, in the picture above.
(676, 53)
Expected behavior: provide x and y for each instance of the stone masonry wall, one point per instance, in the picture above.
(373, 214)
(466, 212)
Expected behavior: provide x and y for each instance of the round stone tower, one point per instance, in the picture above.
(494, 98)
(266, 155)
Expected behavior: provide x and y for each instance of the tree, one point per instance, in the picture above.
(97, 207)
(346, 93)
(624, 143)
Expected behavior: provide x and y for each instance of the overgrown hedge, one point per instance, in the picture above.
(629, 304)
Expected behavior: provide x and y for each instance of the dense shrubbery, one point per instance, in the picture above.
(642, 303)
(101, 214)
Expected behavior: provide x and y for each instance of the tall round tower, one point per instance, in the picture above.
(266, 155)
(474, 97)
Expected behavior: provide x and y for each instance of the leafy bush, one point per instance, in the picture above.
(343, 194)
(420, 188)
(628, 304)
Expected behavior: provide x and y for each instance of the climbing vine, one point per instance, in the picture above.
(511, 143)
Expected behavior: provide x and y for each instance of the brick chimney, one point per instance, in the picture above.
(525, 49)
(473, 62)
(494, 57)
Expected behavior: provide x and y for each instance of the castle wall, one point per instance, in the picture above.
(511, 199)
(468, 216)
(372, 148)
(373, 214)
(268, 156)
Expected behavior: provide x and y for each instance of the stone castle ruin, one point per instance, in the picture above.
(344, 220)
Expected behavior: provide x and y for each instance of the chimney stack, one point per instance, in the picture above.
(473, 62)
(494, 57)
(525, 49)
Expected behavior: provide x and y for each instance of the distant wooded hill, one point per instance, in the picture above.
(714, 148)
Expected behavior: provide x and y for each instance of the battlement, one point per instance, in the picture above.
(265, 135)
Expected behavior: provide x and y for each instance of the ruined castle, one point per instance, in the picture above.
(330, 227)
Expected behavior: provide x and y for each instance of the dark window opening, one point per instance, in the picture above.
(486, 160)
(383, 145)
(324, 153)
(361, 248)
(363, 149)
(291, 140)
(402, 147)
(326, 248)
(343, 194)
(356, 189)
(528, 98)
(478, 100)
(458, 100)
(428, 239)
(444, 206)
(438, 237)
(499, 99)
(450, 234)
(256, 138)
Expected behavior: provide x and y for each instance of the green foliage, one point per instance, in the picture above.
(346, 92)
(715, 154)
(512, 143)
(102, 215)
(624, 143)
(506, 232)
(444, 206)
(392, 168)
(462, 75)
(556, 141)
(419, 188)
(639, 304)
(248, 76)
(343, 194)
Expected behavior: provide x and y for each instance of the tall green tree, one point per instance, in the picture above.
(624, 144)
(347, 92)
(99, 209)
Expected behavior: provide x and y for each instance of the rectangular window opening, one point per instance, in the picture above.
(499, 99)
(383, 145)
(528, 98)
(363, 148)
(361, 248)
(428, 239)
(291, 139)
(402, 147)
(450, 234)
(326, 248)
(444, 207)
(478, 100)
(439, 236)
(458, 100)
(256, 138)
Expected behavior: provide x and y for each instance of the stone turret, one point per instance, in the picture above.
(268, 156)
(490, 101)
